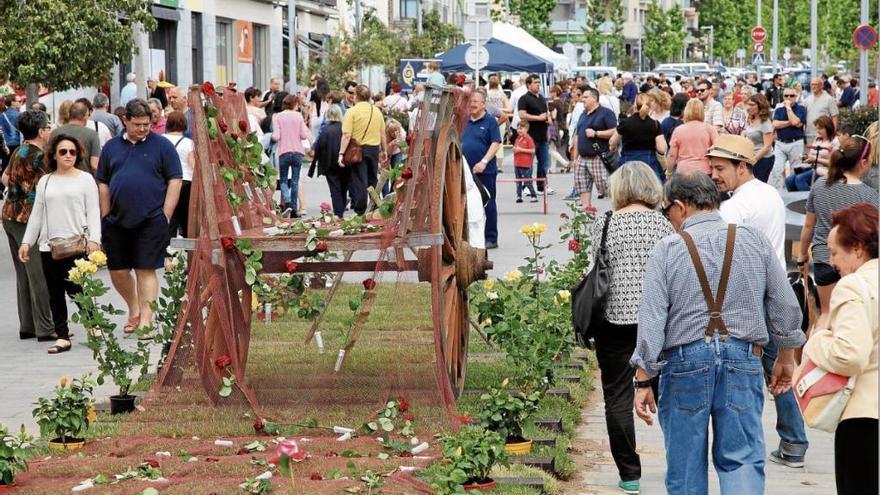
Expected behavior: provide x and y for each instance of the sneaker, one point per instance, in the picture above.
(629, 486)
(792, 461)
(519, 200)
(491, 245)
(571, 197)
(550, 191)
(534, 200)
(527, 193)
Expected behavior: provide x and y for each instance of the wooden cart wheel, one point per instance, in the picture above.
(456, 262)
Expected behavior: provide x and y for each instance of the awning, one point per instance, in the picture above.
(503, 57)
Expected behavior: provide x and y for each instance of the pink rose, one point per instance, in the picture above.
(290, 448)
(325, 207)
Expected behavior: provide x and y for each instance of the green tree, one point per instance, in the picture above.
(534, 16)
(437, 37)
(65, 44)
(598, 13)
(664, 33)
(733, 21)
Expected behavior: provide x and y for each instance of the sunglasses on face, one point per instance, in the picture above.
(703, 90)
(789, 96)
(66, 151)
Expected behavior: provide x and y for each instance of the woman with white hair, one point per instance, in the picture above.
(327, 157)
(633, 229)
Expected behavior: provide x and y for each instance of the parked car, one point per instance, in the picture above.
(690, 69)
(593, 72)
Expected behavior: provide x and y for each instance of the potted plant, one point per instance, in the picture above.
(468, 458)
(65, 418)
(505, 412)
(13, 455)
(113, 360)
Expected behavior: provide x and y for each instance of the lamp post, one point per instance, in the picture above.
(711, 29)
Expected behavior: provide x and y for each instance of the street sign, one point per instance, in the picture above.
(570, 52)
(587, 56)
(758, 34)
(478, 30)
(786, 56)
(865, 37)
(758, 47)
(757, 58)
(741, 53)
(476, 57)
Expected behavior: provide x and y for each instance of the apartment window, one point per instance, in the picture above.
(408, 9)
(197, 69)
(225, 54)
(261, 51)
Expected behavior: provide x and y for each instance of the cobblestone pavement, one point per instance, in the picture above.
(599, 474)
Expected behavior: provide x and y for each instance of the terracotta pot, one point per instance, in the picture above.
(482, 487)
(121, 404)
(518, 448)
(71, 444)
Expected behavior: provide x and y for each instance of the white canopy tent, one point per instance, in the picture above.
(518, 37)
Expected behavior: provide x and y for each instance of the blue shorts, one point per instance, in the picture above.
(140, 248)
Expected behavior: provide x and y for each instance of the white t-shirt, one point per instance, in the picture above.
(759, 205)
(103, 131)
(713, 113)
(184, 146)
(514, 103)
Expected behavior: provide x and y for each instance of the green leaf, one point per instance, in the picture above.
(284, 466)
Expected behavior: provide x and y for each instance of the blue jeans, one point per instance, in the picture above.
(801, 181)
(789, 423)
(721, 382)
(289, 163)
(542, 155)
(645, 156)
(524, 173)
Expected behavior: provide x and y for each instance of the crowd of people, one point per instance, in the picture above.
(674, 155)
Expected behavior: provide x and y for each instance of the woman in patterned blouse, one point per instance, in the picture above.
(20, 178)
(635, 227)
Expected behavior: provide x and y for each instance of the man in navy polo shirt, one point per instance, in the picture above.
(479, 142)
(139, 179)
(788, 120)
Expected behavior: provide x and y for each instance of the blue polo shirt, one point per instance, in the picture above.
(477, 137)
(138, 175)
(600, 119)
(789, 133)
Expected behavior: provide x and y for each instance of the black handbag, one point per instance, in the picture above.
(588, 297)
(608, 158)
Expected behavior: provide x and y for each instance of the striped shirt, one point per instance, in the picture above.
(673, 311)
(631, 238)
(823, 201)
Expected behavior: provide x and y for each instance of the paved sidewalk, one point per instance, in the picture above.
(598, 473)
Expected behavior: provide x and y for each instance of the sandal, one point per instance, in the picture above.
(52, 336)
(58, 348)
(132, 324)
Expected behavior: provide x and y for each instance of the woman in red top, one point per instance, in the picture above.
(523, 153)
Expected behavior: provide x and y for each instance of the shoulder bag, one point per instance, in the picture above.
(822, 396)
(588, 297)
(63, 248)
(354, 152)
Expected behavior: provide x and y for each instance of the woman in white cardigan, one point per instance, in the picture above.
(848, 346)
(66, 205)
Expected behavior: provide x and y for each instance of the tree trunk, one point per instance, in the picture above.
(33, 94)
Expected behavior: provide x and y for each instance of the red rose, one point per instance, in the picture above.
(466, 420)
(406, 174)
(291, 266)
(223, 127)
(331, 453)
(402, 404)
(316, 477)
(222, 362)
(321, 247)
(409, 417)
(208, 88)
(406, 454)
(258, 424)
(276, 460)
(369, 284)
(228, 243)
(590, 209)
(243, 125)
(243, 451)
(574, 245)
(261, 316)
(152, 463)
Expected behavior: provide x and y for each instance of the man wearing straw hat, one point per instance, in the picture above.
(759, 205)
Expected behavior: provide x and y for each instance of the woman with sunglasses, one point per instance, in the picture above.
(66, 205)
(840, 189)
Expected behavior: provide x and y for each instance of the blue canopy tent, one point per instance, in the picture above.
(503, 57)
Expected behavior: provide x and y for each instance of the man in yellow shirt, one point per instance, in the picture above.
(366, 123)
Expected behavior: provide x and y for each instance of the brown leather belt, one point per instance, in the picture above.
(756, 350)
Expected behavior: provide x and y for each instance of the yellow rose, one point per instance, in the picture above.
(255, 303)
(489, 284)
(92, 415)
(513, 276)
(64, 380)
(527, 229)
(98, 258)
(487, 322)
(564, 295)
(86, 267)
(539, 228)
(457, 452)
(74, 275)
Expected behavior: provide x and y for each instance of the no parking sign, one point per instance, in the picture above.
(865, 37)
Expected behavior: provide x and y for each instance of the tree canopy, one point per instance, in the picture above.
(598, 13)
(65, 44)
(664, 33)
